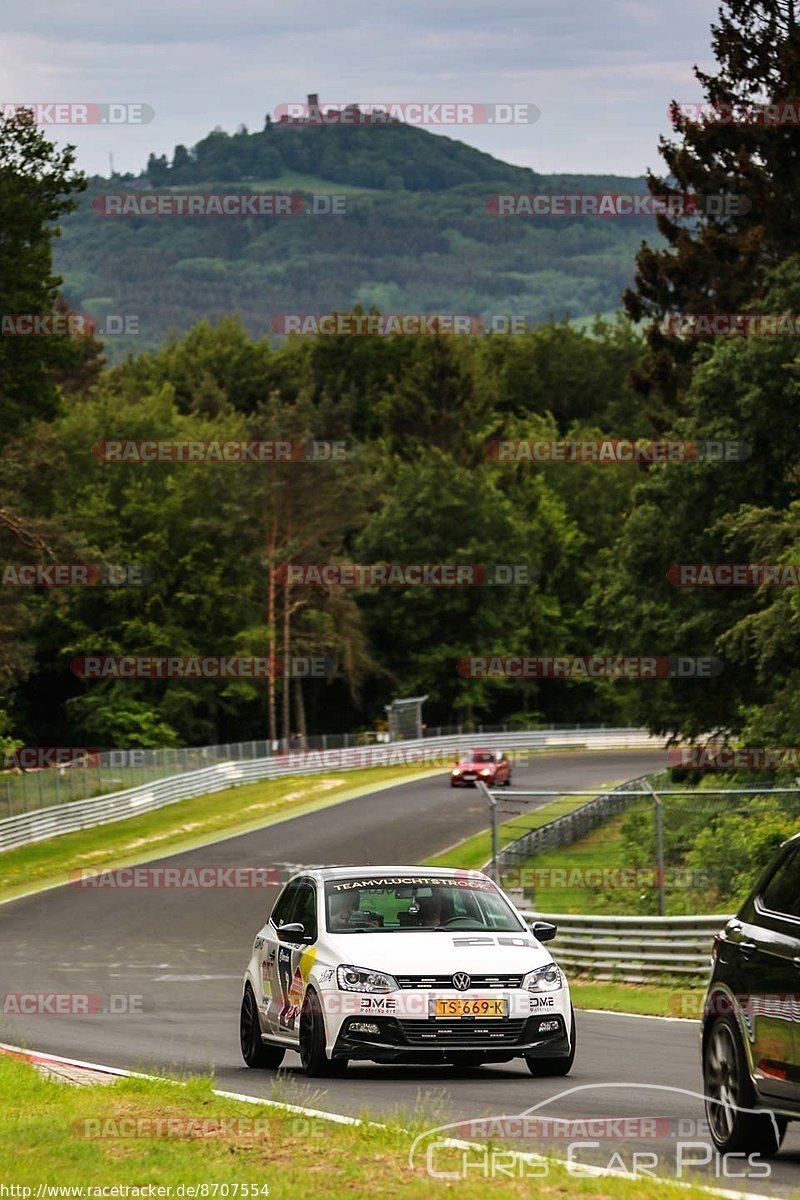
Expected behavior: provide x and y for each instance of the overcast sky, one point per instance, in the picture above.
(602, 72)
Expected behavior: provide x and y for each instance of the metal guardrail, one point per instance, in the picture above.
(24, 828)
(634, 949)
(92, 773)
(568, 828)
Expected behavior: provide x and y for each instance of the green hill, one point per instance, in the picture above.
(417, 236)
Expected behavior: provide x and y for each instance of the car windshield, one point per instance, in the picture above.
(480, 757)
(381, 904)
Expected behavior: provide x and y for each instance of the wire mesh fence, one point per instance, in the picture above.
(645, 847)
(90, 773)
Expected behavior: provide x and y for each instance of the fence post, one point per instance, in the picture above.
(659, 815)
(493, 815)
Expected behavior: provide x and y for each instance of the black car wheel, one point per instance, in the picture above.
(549, 1068)
(312, 1041)
(254, 1052)
(729, 1097)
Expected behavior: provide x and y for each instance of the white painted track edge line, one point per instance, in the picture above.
(341, 1119)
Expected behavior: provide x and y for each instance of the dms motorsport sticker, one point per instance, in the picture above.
(378, 1004)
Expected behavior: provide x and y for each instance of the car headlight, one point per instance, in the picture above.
(544, 979)
(361, 979)
(456, 771)
(485, 771)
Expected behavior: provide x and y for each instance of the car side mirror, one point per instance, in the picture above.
(293, 932)
(543, 931)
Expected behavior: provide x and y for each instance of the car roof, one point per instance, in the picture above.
(481, 750)
(328, 873)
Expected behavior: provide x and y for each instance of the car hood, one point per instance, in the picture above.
(410, 952)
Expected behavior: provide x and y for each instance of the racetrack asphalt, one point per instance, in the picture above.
(178, 957)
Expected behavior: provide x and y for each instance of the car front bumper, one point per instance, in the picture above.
(396, 1039)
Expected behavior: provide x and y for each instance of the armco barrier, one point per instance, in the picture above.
(24, 828)
(633, 949)
(568, 828)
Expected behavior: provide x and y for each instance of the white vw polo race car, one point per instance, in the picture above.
(403, 965)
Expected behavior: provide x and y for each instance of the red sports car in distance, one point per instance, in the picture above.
(490, 766)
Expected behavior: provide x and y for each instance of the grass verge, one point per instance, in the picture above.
(599, 853)
(186, 825)
(474, 852)
(599, 849)
(43, 1140)
(644, 999)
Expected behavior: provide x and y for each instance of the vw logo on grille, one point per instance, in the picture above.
(461, 981)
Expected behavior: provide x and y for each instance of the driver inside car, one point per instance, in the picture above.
(430, 911)
(345, 912)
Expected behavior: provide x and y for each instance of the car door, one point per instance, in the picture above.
(270, 999)
(294, 959)
(766, 941)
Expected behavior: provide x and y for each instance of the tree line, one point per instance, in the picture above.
(419, 486)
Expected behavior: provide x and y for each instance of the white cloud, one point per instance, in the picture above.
(601, 73)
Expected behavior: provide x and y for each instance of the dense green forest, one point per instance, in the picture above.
(416, 235)
(418, 485)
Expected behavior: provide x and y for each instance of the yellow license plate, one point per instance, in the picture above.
(471, 1008)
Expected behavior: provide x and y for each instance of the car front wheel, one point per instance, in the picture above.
(549, 1068)
(313, 1055)
(729, 1097)
(254, 1052)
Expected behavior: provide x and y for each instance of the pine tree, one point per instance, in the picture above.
(716, 262)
